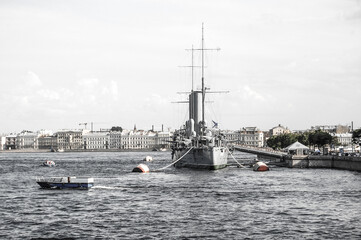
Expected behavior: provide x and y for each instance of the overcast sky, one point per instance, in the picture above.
(116, 63)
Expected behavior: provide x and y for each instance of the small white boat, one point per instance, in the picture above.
(49, 163)
(148, 159)
(65, 182)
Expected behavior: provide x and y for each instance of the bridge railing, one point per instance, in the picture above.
(260, 149)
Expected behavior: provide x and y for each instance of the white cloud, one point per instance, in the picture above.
(114, 90)
(88, 83)
(47, 94)
(32, 80)
(250, 94)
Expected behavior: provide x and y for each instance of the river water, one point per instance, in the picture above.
(232, 203)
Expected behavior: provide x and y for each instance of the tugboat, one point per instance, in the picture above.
(195, 146)
(65, 182)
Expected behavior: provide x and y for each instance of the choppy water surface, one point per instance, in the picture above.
(232, 203)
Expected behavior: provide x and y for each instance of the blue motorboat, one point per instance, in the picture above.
(65, 182)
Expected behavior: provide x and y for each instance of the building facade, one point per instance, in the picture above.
(10, 142)
(278, 130)
(70, 139)
(251, 136)
(336, 129)
(345, 139)
(115, 140)
(232, 136)
(96, 140)
(137, 139)
(48, 142)
(163, 139)
(27, 140)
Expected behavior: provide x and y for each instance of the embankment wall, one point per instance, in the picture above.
(314, 161)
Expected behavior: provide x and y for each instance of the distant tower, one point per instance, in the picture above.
(135, 127)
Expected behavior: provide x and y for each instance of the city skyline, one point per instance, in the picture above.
(117, 63)
(88, 128)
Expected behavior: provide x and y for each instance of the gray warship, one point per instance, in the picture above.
(195, 145)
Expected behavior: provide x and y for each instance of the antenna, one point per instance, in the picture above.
(192, 65)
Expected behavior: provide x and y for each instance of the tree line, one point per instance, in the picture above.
(314, 139)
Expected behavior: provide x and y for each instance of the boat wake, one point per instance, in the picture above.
(107, 187)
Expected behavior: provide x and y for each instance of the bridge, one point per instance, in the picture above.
(262, 153)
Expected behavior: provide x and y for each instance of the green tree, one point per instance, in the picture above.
(272, 142)
(312, 138)
(356, 136)
(335, 141)
(116, 129)
(303, 138)
(319, 138)
(288, 139)
(282, 141)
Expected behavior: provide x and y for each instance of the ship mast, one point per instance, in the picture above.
(203, 90)
(203, 86)
(192, 68)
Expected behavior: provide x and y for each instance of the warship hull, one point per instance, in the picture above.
(211, 158)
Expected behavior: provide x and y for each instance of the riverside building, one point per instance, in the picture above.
(278, 130)
(10, 141)
(137, 139)
(251, 136)
(163, 139)
(337, 129)
(48, 142)
(232, 136)
(96, 140)
(115, 140)
(70, 139)
(27, 139)
(345, 140)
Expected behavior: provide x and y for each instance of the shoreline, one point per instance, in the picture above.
(78, 150)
